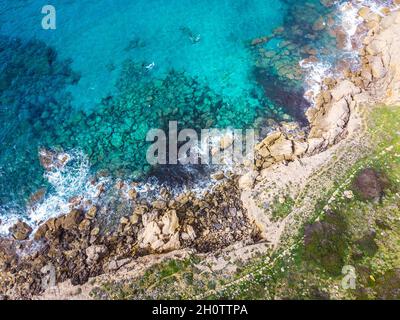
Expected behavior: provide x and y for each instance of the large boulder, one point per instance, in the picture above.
(344, 89)
(170, 222)
(329, 122)
(282, 149)
(72, 220)
(247, 180)
(21, 230)
(149, 235)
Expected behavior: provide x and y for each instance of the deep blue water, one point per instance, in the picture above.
(85, 86)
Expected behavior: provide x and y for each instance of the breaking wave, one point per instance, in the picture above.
(72, 179)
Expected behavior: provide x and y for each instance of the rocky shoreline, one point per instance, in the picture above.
(80, 246)
(77, 247)
(335, 118)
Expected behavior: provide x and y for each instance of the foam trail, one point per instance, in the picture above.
(70, 180)
(316, 73)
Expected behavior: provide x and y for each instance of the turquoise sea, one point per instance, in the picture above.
(113, 69)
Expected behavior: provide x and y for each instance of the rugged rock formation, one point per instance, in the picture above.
(378, 79)
(79, 245)
(21, 230)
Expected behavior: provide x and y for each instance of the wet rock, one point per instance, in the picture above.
(37, 197)
(21, 230)
(258, 41)
(218, 176)
(140, 210)
(159, 204)
(41, 232)
(319, 25)
(72, 220)
(50, 159)
(84, 226)
(132, 194)
(134, 219)
(91, 214)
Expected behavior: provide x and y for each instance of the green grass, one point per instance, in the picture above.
(281, 209)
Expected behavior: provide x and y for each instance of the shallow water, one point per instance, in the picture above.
(113, 69)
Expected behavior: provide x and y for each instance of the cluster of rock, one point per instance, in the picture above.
(281, 51)
(327, 125)
(78, 245)
(329, 117)
(380, 59)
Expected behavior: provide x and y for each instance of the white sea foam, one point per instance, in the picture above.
(349, 21)
(9, 216)
(74, 180)
(65, 182)
(316, 73)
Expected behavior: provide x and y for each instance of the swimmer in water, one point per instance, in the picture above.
(150, 66)
(194, 38)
